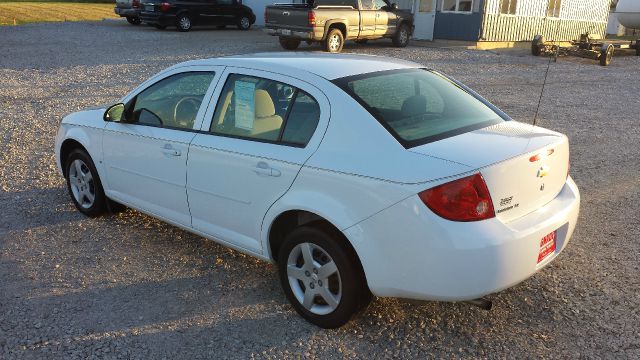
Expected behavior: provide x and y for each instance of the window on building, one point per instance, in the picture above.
(553, 10)
(508, 6)
(457, 5)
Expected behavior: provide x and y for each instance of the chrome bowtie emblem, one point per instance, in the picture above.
(543, 171)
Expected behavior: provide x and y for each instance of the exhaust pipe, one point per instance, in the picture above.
(482, 303)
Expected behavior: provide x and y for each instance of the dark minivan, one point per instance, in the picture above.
(184, 14)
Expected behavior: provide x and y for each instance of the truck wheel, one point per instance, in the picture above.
(334, 41)
(134, 20)
(606, 53)
(184, 23)
(289, 43)
(401, 38)
(536, 45)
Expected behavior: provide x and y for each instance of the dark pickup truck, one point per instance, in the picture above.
(331, 22)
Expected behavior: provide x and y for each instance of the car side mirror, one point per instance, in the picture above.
(394, 6)
(114, 113)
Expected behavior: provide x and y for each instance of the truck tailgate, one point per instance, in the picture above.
(290, 17)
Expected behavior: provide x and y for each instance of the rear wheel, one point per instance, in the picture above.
(321, 277)
(184, 23)
(334, 41)
(289, 43)
(83, 184)
(134, 20)
(401, 38)
(244, 23)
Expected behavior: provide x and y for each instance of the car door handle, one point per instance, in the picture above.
(263, 169)
(168, 150)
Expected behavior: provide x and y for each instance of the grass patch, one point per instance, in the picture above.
(31, 12)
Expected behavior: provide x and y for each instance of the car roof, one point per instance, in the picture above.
(328, 66)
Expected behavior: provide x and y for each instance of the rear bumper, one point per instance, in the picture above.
(158, 19)
(294, 33)
(127, 12)
(409, 252)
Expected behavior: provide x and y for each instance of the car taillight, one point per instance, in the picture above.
(135, 4)
(165, 6)
(312, 18)
(465, 199)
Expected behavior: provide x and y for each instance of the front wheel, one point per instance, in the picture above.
(321, 277)
(83, 184)
(244, 23)
(183, 23)
(134, 20)
(289, 43)
(334, 41)
(401, 38)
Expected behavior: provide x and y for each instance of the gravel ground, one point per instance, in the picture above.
(128, 286)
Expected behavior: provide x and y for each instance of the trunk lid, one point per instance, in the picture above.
(523, 166)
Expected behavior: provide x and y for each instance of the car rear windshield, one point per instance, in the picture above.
(418, 106)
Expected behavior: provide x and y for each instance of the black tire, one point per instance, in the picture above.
(353, 291)
(637, 47)
(361, 41)
(289, 43)
(606, 54)
(221, 27)
(159, 27)
(78, 182)
(244, 23)
(184, 23)
(334, 41)
(536, 45)
(402, 36)
(134, 20)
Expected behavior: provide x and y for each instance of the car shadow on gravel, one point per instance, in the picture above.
(36, 207)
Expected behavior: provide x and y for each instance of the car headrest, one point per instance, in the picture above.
(264, 104)
(415, 105)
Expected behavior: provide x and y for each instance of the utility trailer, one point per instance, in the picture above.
(589, 46)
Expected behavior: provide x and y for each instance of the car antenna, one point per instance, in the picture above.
(544, 83)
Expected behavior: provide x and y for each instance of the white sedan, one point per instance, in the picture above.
(356, 175)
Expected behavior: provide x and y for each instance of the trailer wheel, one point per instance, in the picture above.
(536, 45)
(606, 54)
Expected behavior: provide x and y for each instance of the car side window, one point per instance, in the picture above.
(172, 102)
(265, 110)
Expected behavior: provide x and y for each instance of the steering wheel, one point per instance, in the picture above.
(194, 101)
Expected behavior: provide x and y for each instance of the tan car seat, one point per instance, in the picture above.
(267, 124)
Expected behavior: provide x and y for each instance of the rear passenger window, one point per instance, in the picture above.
(265, 110)
(302, 120)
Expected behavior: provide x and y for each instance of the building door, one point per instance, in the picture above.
(425, 18)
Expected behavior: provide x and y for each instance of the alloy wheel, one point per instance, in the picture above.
(82, 184)
(334, 43)
(314, 278)
(245, 23)
(185, 23)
